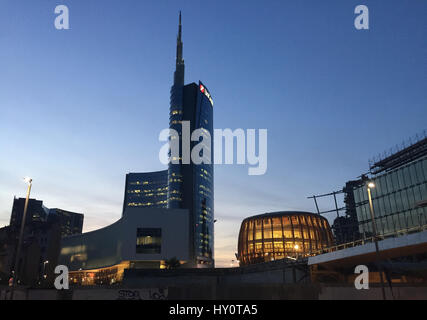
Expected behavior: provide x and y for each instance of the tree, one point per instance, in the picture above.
(172, 263)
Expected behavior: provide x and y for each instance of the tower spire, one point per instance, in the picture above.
(179, 72)
(179, 44)
(180, 26)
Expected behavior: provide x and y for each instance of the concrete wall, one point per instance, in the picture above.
(275, 272)
(222, 292)
(350, 293)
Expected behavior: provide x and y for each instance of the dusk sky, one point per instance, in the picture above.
(80, 108)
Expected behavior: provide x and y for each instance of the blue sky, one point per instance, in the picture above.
(80, 108)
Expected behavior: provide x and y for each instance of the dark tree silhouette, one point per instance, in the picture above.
(172, 263)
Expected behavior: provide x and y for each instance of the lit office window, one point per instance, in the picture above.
(148, 240)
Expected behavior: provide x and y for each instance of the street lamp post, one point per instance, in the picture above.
(29, 181)
(44, 271)
(371, 185)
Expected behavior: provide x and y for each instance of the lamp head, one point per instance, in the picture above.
(28, 180)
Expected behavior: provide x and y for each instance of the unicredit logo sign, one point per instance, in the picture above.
(206, 92)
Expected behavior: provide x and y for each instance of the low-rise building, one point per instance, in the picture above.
(142, 238)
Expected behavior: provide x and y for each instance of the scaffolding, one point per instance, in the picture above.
(411, 150)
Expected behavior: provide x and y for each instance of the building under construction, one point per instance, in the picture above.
(399, 196)
(398, 186)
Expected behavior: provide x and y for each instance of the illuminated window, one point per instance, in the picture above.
(148, 240)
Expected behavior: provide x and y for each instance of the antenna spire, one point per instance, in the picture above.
(179, 72)
(179, 44)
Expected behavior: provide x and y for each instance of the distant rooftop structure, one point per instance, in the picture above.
(409, 151)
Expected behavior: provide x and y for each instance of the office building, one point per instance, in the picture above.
(142, 238)
(36, 213)
(400, 190)
(184, 185)
(70, 222)
(399, 196)
(149, 189)
(166, 214)
(190, 186)
(41, 243)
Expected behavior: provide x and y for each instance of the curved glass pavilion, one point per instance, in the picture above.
(279, 235)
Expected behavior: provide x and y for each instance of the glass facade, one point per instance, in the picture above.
(274, 236)
(191, 185)
(71, 223)
(396, 198)
(149, 189)
(175, 193)
(203, 198)
(36, 213)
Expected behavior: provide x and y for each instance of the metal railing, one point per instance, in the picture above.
(380, 237)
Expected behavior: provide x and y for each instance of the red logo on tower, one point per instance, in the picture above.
(205, 92)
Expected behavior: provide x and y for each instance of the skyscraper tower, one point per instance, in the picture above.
(190, 186)
(175, 119)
